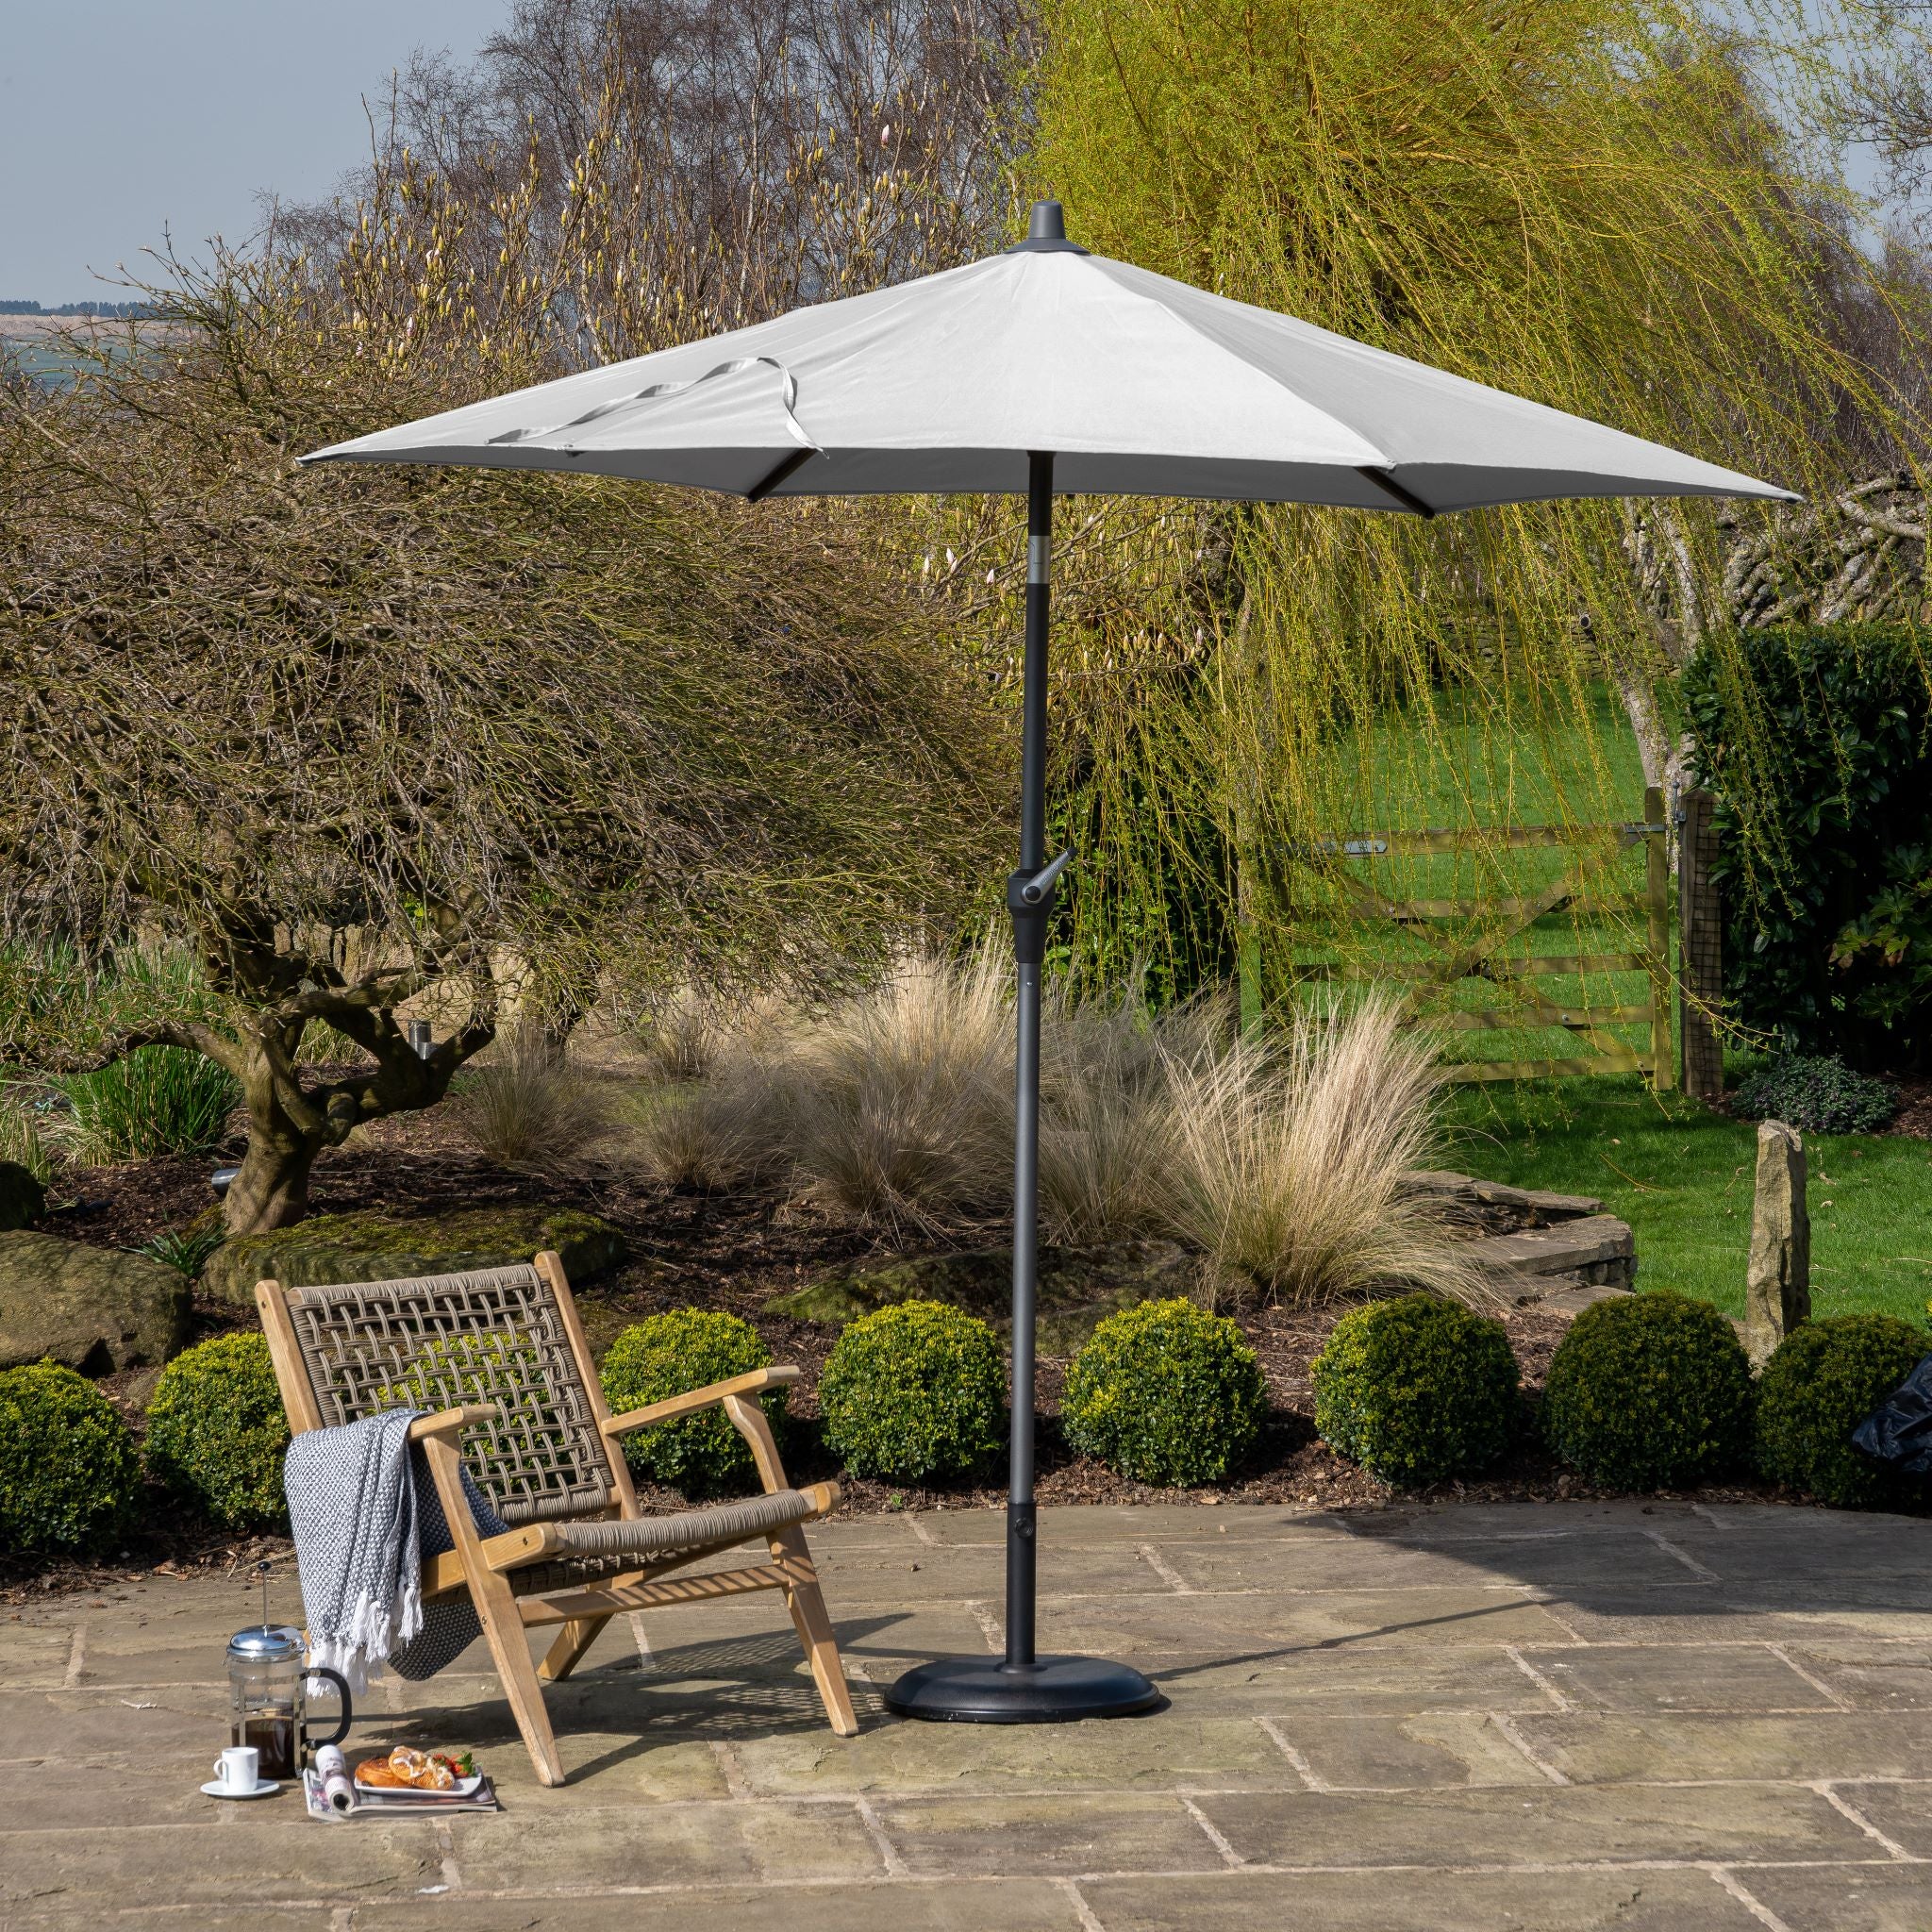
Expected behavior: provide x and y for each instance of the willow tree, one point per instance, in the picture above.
(357, 741)
(1600, 203)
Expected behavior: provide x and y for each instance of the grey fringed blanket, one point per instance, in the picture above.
(364, 1513)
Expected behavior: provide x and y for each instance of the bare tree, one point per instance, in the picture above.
(361, 738)
(695, 165)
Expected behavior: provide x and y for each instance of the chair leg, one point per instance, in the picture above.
(572, 1640)
(807, 1604)
(504, 1627)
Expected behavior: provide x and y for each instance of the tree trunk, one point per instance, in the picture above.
(272, 1190)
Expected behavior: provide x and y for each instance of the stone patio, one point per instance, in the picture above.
(1559, 1717)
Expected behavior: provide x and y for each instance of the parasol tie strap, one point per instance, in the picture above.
(659, 391)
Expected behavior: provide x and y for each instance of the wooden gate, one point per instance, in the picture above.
(1476, 939)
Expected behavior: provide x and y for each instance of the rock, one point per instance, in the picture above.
(96, 1309)
(1594, 1249)
(23, 1200)
(1777, 1285)
(1079, 1287)
(383, 1247)
(1501, 1209)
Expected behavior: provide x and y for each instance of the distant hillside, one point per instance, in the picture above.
(112, 310)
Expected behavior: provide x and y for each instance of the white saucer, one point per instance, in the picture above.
(262, 1787)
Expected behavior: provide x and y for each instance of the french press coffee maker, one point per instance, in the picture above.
(268, 1676)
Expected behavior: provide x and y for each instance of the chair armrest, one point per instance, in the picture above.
(674, 1406)
(447, 1421)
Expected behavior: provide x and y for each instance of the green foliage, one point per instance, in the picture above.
(1597, 206)
(21, 1138)
(670, 1354)
(1818, 1094)
(1823, 1379)
(216, 1432)
(1416, 1388)
(184, 1249)
(1649, 1392)
(1166, 1393)
(914, 1392)
(156, 1100)
(69, 1473)
(1678, 1171)
(1818, 743)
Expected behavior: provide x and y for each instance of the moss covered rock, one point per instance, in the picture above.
(94, 1309)
(384, 1247)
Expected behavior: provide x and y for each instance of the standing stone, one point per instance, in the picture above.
(1777, 1292)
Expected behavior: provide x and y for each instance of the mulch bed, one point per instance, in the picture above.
(736, 1254)
(1914, 1117)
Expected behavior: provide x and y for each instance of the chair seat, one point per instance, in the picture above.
(590, 1552)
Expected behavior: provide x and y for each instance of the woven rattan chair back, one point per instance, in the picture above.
(487, 1335)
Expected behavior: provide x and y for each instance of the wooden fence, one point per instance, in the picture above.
(1471, 941)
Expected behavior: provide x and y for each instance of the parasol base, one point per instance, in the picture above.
(1051, 1690)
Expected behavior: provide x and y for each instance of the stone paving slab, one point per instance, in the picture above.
(1839, 1898)
(1566, 1717)
(1686, 1677)
(1617, 1559)
(1690, 1901)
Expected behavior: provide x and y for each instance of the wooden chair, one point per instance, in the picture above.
(543, 1448)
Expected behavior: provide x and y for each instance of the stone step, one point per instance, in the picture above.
(1541, 1207)
(1595, 1250)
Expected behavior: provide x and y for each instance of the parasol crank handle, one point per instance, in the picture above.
(1029, 899)
(1038, 891)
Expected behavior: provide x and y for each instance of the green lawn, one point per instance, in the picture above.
(1681, 1176)
(1489, 764)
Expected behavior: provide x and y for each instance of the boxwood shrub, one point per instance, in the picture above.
(216, 1432)
(1821, 1381)
(1649, 1392)
(69, 1471)
(1166, 1393)
(669, 1354)
(1416, 1388)
(913, 1391)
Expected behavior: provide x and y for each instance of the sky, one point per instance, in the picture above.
(122, 118)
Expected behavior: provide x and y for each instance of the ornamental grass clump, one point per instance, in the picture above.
(216, 1432)
(1416, 1388)
(670, 1354)
(900, 1097)
(1287, 1164)
(1166, 1393)
(915, 1391)
(1649, 1392)
(1821, 1381)
(69, 1472)
(530, 1105)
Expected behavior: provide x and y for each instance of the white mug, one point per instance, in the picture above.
(238, 1768)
